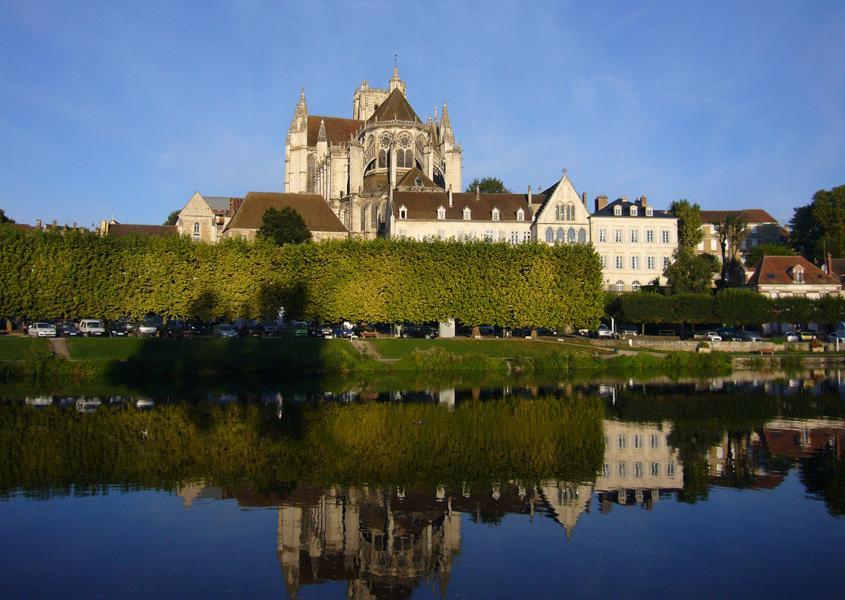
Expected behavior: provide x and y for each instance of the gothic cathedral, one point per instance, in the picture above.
(357, 163)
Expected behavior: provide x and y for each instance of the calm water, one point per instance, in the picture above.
(717, 488)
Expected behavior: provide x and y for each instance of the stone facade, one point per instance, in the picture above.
(204, 218)
(634, 240)
(354, 163)
(762, 227)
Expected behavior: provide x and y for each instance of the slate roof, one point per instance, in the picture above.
(424, 205)
(749, 215)
(312, 207)
(626, 205)
(338, 130)
(409, 180)
(775, 270)
(394, 108)
(124, 229)
(219, 203)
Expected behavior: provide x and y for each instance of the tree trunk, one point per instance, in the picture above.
(476, 332)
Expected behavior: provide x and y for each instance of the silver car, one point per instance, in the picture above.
(42, 330)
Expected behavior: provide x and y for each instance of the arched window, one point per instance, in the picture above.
(558, 212)
(550, 235)
(560, 234)
(467, 214)
(441, 213)
(403, 212)
(382, 159)
(375, 216)
(495, 214)
(312, 173)
(635, 285)
(570, 212)
(409, 158)
(400, 159)
(364, 218)
(196, 230)
(620, 286)
(570, 235)
(520, 215)
(582, 236)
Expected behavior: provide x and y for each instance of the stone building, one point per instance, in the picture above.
(205, 217)
(634, 240)
(354, 163)
(319, 219)
(786, 276)
(762, 228)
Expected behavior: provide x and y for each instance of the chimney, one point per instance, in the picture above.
(601, 202)
(38, 223)
(829, 262)
(643, 201)
(478, 193)
(584, 198)
(530, 203)
(450, 195)
(624, 198)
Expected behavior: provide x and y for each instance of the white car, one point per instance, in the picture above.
(90, 327)
(604, 331)
(42, 330)
(712, 336)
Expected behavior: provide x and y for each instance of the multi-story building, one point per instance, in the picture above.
(635, 242)
(787, 276)
(205, 217)
(762, 228)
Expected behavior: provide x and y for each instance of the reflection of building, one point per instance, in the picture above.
(638, 462)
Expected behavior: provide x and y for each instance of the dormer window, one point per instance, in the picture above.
(403, 212)
(467, 214)
(495, 214)
(649, 211)
(441, 213)
(418, 182)
(633, 211)
(520, 215)
(798, 274)
(617, 211)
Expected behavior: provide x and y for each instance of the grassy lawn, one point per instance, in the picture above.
(16, 348)
(400, 348)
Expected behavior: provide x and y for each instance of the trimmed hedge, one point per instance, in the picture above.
(47, 275)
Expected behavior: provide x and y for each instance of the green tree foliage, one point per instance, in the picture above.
(731, 232)
(172, 218)
(4, 218)
(46, 275)
(487, 185)
(796, 310)
(736, 306)
(757, 253)
(285, 226)
(819, 227)
(644, 307)
(689, 272)
(689, 223)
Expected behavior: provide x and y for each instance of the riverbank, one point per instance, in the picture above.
(139, 362)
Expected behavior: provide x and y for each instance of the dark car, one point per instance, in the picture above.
(117, 329)
(419, 331)
(748, 336)
(487, 331)
(194, 327)
(729, 334)
(67, 329)
(174, 328)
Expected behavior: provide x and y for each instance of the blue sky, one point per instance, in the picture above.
(127, 108)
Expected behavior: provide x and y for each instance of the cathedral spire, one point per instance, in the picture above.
(395, 82)
(301, 106)
(300, 114)
(321, 136)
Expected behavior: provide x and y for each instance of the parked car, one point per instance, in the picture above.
(806, 336)
(325, 331)
(792, 336)
(225, 330)
(628, 330)
(118, 329)
(92, 327)
(419, 331)
(603, 331)
(710, 336)
(67, 329)
(367, 331)
(729, 334)
(836, 336)
(298, 328)
(749, 336)
(270, 328)
(174, 328)
(487, 331)
(41, 329)
(194, 327)
(150, 326)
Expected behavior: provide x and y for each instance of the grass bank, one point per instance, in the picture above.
(141, 362)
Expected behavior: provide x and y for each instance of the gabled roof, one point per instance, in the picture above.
(376, 182)
(775, 270)
(409, 180)
(219, 203)
(837, 266)
(424, 205)
(338, 130)
(749, 215)
(124, 229)
(626, 205)
(394, 108)
(312, 207)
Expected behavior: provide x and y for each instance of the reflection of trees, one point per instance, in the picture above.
(823, 473)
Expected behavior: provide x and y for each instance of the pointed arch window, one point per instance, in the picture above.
(375, 216)
(570, 235)
(403, 212)
(382, 159)
(441, 213)
(550, 235)
(364, 214)
(495, 214)
(467, 214)
(560, 234)
(569, 212)
(520, 215)
(196, 234)
(582, 236)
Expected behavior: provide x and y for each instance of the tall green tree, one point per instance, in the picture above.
(285, 226)
(488, 185)
(689, 223)
(732, 231)
(4, 218)
(819, 227)
(172, 218)
(757, 253)
(689, 272)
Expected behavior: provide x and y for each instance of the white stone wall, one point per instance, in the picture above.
(639, 456)
(497, 231)
(627, 261)
(196, 211)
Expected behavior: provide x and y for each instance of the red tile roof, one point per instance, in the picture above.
(338, 130)
(749, 215)
(775, 270)
(312, 207)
